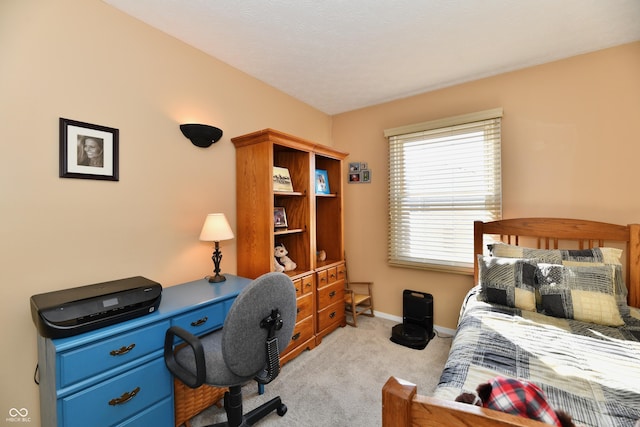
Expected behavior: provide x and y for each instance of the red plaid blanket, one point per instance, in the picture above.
(520, 398)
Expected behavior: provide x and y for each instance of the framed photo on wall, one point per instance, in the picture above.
(359, 173)
(88, 151)
(280, 218)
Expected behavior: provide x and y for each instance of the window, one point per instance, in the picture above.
(443, 176)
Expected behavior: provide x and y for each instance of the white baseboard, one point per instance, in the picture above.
(440, 329)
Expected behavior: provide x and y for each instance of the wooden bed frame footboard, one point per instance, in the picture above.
(402, 406)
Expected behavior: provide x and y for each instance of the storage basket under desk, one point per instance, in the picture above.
(189, 402)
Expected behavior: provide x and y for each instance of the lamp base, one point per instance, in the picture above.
(217, 278)
(217, 257)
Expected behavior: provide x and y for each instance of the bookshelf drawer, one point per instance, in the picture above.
(331, 315)
(302, 332)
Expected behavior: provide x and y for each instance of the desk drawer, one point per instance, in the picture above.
(87, 361)
(201, 321)
(159, 415)
(106, 403)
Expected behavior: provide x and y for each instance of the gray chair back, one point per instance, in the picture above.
(243, 340)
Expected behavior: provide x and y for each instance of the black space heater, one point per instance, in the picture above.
(416, 329)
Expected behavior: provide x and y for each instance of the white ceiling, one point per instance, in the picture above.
(341, 55)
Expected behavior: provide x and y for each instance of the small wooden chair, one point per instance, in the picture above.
(358, 299)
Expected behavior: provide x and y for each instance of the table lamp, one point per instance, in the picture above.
(216, 228)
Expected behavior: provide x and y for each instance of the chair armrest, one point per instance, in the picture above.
(187, 377)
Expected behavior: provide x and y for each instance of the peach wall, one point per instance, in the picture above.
(569, 149)
(83, 60)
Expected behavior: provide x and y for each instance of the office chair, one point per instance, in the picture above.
(256, 330)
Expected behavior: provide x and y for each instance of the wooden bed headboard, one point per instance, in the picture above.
(551, 232)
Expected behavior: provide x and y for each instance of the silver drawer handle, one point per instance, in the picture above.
(127, 396)
(122, 350)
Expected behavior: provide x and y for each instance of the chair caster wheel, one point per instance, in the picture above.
(282, 409)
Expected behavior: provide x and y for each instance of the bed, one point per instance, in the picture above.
(585, 357)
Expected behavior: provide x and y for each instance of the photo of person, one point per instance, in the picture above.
(90, 151)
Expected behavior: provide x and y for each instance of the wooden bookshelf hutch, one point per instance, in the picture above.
(315, 222)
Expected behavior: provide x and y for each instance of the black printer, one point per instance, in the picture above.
(73, 311)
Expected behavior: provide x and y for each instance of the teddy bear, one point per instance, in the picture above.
(281, 261)
(518, 398)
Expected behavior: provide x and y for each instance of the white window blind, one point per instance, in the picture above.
(443, 176)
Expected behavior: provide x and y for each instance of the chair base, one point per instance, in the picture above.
(233, 408)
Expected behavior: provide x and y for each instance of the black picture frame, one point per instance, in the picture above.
(280, 218)
(88, 151)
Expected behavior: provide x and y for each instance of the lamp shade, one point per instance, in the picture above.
(216, 228)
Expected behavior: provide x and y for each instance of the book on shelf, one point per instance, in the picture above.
(282, 179)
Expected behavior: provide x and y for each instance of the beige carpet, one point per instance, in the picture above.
(339, 383)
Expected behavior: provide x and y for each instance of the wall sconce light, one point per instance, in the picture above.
(201, 135)
(216, 228)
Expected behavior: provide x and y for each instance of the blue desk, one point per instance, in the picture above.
(116, 375)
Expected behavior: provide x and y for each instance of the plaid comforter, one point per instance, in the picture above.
(590, 371)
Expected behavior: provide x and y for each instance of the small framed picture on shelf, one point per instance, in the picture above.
(279, 218)
(322, 182)
(282, 180)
